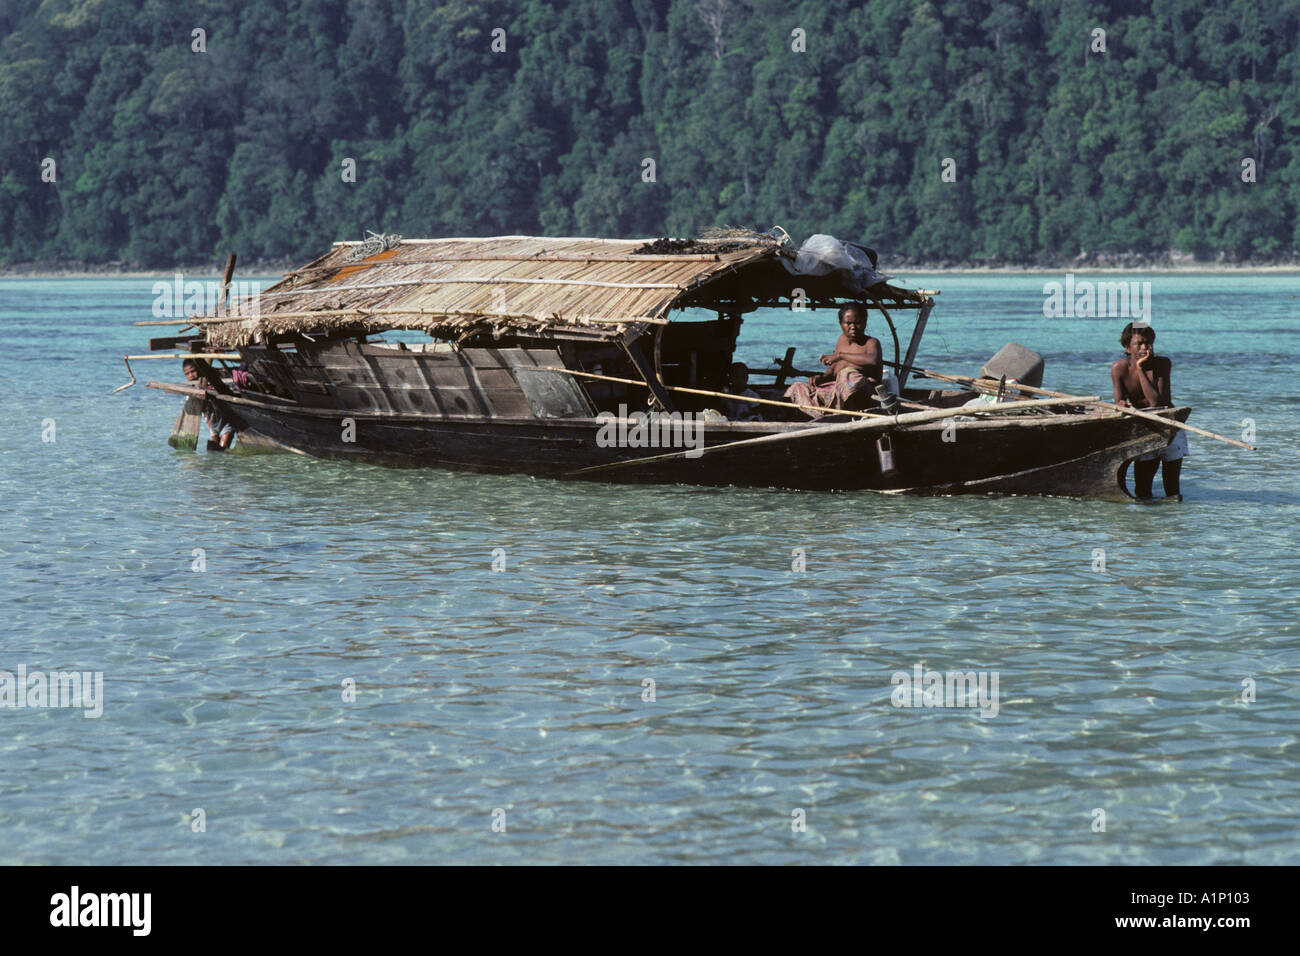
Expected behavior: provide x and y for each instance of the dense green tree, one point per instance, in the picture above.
(479, 117)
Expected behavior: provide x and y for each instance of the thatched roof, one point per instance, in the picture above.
(455, 287)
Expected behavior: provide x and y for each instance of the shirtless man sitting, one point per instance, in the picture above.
(1141, 380)
(852, 370)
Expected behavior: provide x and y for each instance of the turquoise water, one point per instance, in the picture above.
(522, 690)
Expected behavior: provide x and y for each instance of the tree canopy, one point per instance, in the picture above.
(155, 133)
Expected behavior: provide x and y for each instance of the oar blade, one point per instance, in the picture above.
(185, 433)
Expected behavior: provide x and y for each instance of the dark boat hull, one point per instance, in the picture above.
(1058, 454)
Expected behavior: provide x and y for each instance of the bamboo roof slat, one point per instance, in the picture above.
(544, 257)
(366, 313)
(499, 239)
(478, 280)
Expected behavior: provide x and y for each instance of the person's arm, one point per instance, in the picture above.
(1117, 383)
(1164, 373)
(833, 356)
(1150, 390)
(865, 359)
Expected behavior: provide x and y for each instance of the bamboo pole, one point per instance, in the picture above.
(198, 320)
(878, 423)
(205, 356)
(499, 239)
(365, 313)
(629, 258)
(477, 280)
(726, 395)
(984, 384)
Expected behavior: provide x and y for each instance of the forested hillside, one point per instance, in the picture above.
(827, 115)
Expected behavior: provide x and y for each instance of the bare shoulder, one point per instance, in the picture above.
(1117, 366)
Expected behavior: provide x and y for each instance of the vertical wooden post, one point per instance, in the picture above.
(913, 345)
(787, 366)
(892, 331)
(224, 292)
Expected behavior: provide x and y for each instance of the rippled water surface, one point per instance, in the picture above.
(523, 690)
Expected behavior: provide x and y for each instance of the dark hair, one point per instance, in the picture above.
(1142, 331)
(190, 363)
(856, 307)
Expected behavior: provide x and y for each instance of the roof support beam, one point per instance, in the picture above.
(632, 346)
(917, 331)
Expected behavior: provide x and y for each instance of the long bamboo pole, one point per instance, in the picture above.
(506, 257)
(878, 423)
(478, 280)
(726, 395)
(228, 356)
(364, 313)
(985, 383)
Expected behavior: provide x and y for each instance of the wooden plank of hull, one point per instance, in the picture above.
(1075, 455)
(1098, 474)
(364, 378)
(249, 441)
(468, 443)
(1054, 454)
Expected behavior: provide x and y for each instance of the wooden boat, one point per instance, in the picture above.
(511, 354)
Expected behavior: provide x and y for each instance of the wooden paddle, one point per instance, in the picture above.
(185, 433)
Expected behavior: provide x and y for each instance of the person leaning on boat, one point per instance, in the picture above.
(223, 433)
(1141, 380)
(852, 370)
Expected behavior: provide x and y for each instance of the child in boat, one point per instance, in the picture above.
(223, 433)
(1141, 380)
(852, 370)
(738, 384)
